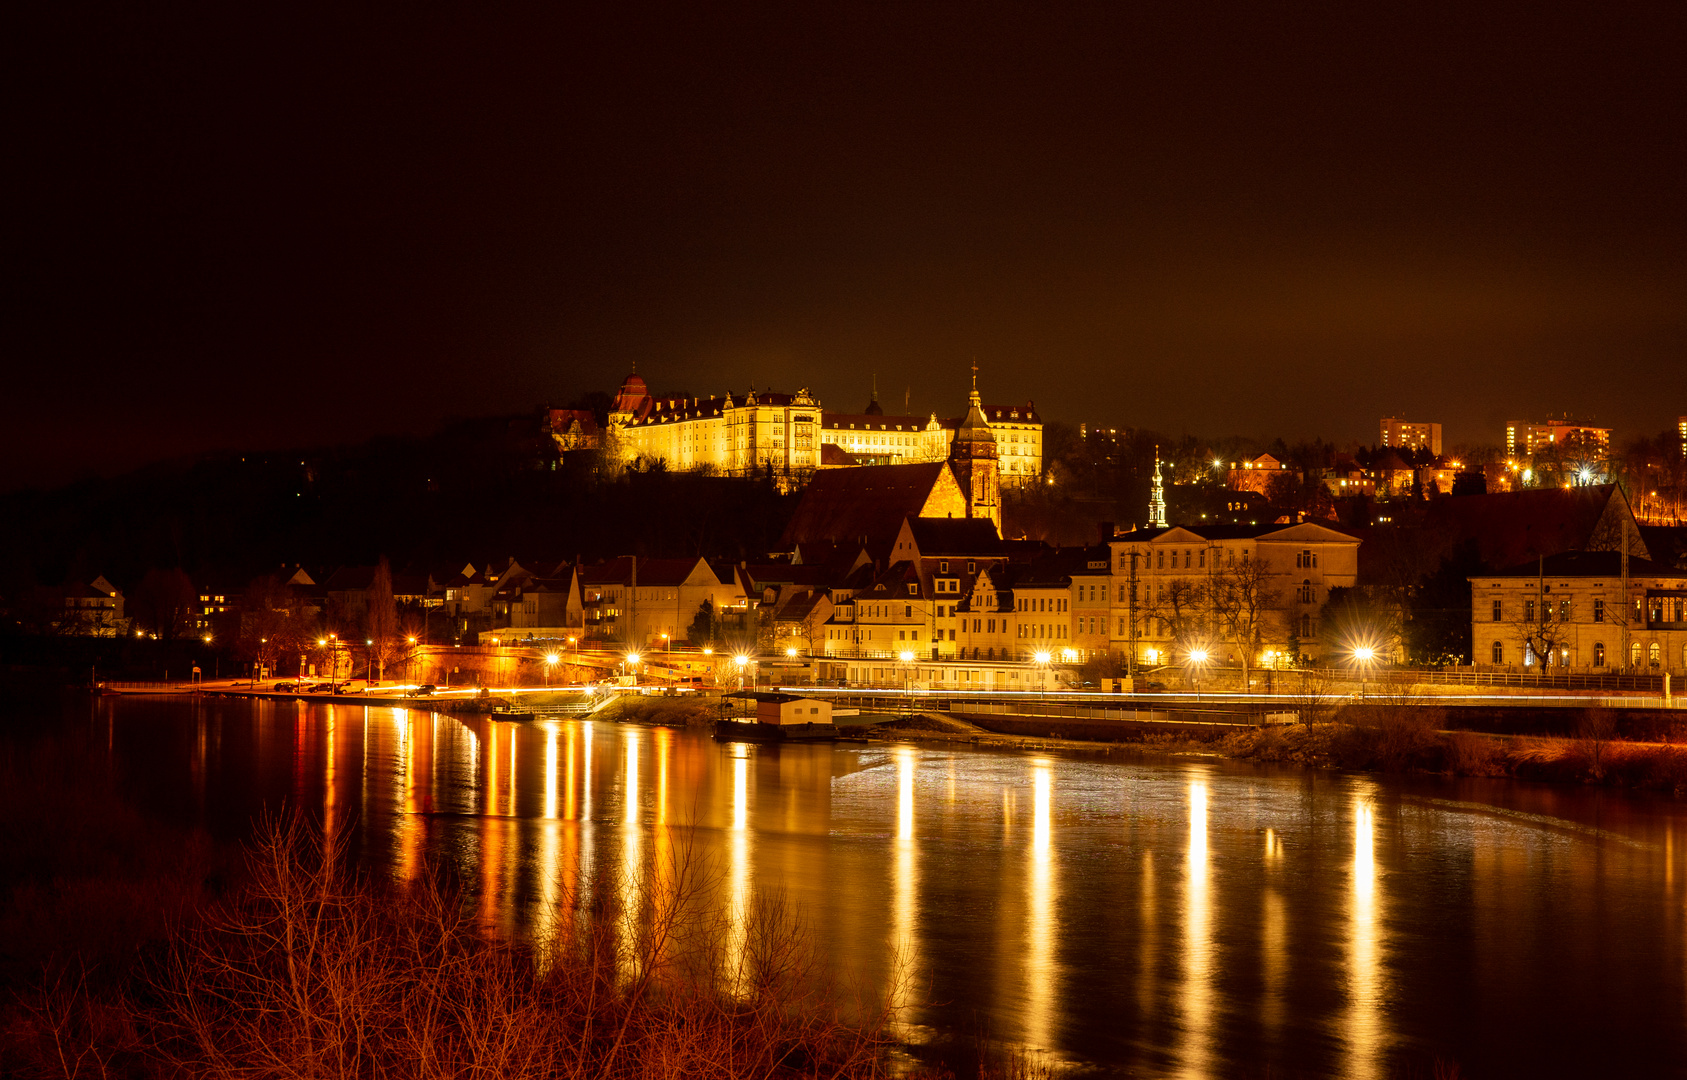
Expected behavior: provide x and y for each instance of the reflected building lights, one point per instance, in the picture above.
(738, 870)
(1365, 1033)
(1198, 967)
(1040, 929)
(904, 884)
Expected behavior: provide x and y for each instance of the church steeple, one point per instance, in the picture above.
(1157, 500)
(873, 406)
(972, 458)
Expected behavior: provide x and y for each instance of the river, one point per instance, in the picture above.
(1134, 915)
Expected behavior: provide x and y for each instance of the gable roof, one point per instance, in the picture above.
(1510, 528)
(954, 536)
(1603, 564)
(867, 502)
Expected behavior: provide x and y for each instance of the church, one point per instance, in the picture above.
(868, 504)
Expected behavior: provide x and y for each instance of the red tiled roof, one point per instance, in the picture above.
(871, 501)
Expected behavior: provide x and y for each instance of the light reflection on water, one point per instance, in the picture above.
(1160, 917)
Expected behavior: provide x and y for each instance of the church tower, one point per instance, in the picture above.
(1157, 499)
(972, 458)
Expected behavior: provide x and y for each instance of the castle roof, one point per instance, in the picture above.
(867, 502)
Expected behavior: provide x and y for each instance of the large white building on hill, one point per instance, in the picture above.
(790, 435)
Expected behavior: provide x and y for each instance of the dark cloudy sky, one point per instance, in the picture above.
(245, 225)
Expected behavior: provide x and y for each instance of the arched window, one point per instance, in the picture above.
(1599, 654)
(1654, 654)
(1634, 654)
(1499, 653)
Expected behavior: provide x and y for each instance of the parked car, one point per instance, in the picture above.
(423, 690)
(285, 687)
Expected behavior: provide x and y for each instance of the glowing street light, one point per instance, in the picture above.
(791, 651)
(1041, 659)
(743, 662)
(550, 662)
(631, 661)
(1365, 655)
(1198, 660)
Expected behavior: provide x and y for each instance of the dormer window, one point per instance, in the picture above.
(913, 589)
(972, 567)
(943, 566)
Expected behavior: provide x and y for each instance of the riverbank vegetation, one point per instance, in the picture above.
(1387, 736)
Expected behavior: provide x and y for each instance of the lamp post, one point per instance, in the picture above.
(907, 659)
(1365, 655)
(550, 662)
(1197, 660)
(1041, 659)
(742, 662)
(631, 661)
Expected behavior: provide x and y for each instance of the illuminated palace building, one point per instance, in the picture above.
(763, 432)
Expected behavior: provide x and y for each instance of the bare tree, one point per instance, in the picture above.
(1184, 605)
(385, 640)
(1242, 598)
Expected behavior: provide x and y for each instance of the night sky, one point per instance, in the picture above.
(239, 225)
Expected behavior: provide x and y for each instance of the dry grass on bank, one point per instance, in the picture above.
(678, 712)
(313, 972)
(1391, 737)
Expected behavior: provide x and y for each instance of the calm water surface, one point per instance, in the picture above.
(1143, 916)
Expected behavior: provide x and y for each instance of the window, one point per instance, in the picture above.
(1497, 610)
(1528, 611)
(1598, 611)
(907, 611)
(943, 566)
(1634, 654)
(1499, 653)
(1306, 560)
(913, 589)
(1654, 655)
(1186, 559)
(1563, 611)
(1202, 560)
(972, 567)
(1305, 592)
(1162, 562)
(1599, 654)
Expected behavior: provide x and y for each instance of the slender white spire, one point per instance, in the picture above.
(1157, 501)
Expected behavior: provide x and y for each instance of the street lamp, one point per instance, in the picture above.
(632, 662)
(907, 659)
(1041, 659)
(743, 662)
(664, 642)
(1365, 655)
(1197, 660)
(550, 662)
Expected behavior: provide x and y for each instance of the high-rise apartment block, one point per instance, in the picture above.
(1523, 439)
(1412, 434)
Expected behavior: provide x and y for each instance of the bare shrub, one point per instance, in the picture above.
(1595, 728)
(1465, 753)
(315, 973)
(1389, 735)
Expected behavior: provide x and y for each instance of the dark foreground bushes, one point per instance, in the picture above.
(311, 971)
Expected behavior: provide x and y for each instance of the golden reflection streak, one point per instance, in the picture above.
(1198, 968)
(631, 855)
(662, 870)
(738, 870)
(1366, 1032)
(510, 805)
(1040, 926)
(491, 836)
(410, 821)
(549, 854)
(904, 883)
(330, 778)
